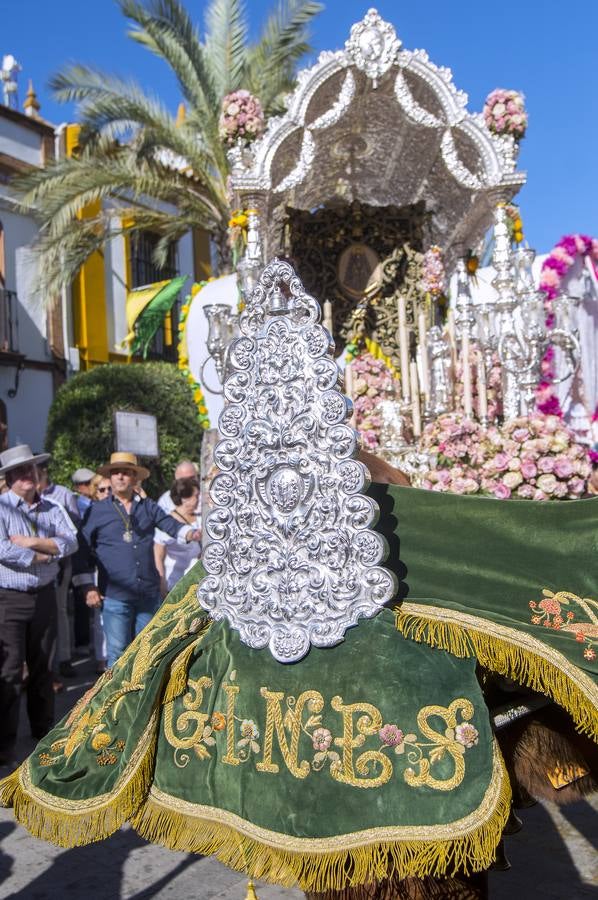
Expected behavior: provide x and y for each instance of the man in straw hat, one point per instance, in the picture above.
(118, 534)
(34, 535)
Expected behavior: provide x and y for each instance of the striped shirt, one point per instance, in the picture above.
(18, 571)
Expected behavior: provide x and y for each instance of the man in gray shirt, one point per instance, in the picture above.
(34, 535)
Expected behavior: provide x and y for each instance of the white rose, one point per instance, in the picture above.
(512, 479)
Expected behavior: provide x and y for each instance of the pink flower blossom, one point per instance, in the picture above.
(563, 467)
(502, 491)
(391, 735)
(528, 469)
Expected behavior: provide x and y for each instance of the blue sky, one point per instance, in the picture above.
(546, 49)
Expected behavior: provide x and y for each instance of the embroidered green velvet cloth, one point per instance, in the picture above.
(371, 757)
(377, 752)
(513, 582)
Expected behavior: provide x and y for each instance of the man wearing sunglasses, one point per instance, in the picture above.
(34, 536)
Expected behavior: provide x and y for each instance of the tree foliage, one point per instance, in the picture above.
(81, 420)
(134, 151)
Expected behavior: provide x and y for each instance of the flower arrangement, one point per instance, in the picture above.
(433, 280)
(554, 270)
(183, 359)
(458, 446)
(504, 113)
(538, 458)
(372, 382)
(241, 119)
(493, 383)
(531, 457)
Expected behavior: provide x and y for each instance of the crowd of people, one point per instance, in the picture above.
(82, 569)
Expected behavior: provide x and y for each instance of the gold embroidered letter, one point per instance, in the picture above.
(191, 716)
(368, 724)
(231, 691)
(442, 743)
(274, 720)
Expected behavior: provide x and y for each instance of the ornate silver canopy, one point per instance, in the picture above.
(382, 125)
(290, 554)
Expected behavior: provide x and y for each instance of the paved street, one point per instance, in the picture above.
(554, 857)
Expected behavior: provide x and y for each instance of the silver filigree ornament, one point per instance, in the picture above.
(373, 46)
(291, 557)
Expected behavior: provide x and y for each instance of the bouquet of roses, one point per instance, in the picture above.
(537, 458)
(504, 113)
(372, 382)
(459, 447)
(242, 118)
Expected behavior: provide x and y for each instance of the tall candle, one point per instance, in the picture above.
(423, 353)
(450, 327)
(415, 408)
(349, 389)
(327, 321)
(465, 362)
(482, 392)
(403, 347)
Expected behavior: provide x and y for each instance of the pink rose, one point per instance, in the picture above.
(528, 469)
(520, 435)
(563, 467)
(526, 491)
(502, 491)
(539, 495)
(546, 464)
(560, 490)
(577, 486)
(500, 462)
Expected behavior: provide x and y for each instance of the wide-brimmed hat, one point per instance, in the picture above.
(21, 455)
(123, 461)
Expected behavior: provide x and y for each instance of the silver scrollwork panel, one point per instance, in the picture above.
(292, 560)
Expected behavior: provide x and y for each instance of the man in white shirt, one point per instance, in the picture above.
(184, 469)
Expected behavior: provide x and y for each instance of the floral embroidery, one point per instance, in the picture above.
(548, 612)
(248, 743)
(467, 735)
(218, 721)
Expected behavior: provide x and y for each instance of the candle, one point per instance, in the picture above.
(482, 392)
(403, 347)
(327, 322)
(423, 352)
(349, 389)
(450, 328)
(465, 362)
(415, 408)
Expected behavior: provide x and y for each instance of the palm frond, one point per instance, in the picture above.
(226, 40)
(271, 62)
(164, 27)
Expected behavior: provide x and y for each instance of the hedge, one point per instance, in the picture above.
(81, 419)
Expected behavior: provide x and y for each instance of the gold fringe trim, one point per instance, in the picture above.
(508, 652)
(314, 869)
(74, 823)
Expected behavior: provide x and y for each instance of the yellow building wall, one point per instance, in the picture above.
(90, 320)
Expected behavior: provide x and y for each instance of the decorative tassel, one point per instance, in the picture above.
(251, 894)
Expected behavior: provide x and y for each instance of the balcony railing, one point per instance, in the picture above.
(9, 322)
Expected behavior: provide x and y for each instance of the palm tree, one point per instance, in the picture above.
(132, 149)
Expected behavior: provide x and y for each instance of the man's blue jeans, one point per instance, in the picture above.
(124, 619)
